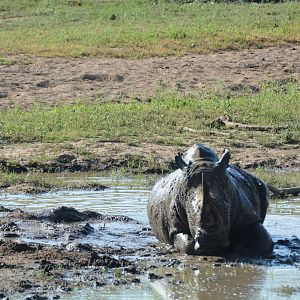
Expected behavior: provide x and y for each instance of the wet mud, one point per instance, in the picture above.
(51, 253)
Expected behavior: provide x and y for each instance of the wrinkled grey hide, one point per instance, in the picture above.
(206, 206)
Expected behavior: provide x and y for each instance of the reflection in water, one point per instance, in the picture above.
(204, 280)
(207, 282)
(127, 199)
(227, 282)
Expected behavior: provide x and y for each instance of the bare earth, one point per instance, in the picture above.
(53, 80)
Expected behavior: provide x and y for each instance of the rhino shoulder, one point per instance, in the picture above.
(251, 196)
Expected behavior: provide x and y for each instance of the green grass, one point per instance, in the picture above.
(139, 28)
(170, 119)
(279, 179)
(6, 61)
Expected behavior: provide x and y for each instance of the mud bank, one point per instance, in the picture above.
(145, 158)
(51, 253)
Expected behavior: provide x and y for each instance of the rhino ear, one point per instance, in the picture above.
(180, 162)
(224, 161)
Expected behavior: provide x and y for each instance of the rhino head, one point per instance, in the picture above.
(207, 201)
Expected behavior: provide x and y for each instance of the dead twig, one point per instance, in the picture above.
(225, 121)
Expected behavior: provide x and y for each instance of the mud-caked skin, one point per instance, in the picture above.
(208, 206)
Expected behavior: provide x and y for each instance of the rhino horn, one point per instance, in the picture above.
(180, 162)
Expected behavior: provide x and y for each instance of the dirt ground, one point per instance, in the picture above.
(53, 80)
(148, 158)
(63, 80)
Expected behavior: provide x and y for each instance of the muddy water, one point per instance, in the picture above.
(205, 280)
(125, 196)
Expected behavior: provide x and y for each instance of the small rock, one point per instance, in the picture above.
(99, 283)
(65, 158)
(284, 242)
(119, 78)
(43, 84)
(95, 77)
(86, 229)
(3, 95)
(11, 235)
(136, 280)
(85, 247)
(154, 276)
(132, 270)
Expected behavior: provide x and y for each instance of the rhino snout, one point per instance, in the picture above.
(205, 242)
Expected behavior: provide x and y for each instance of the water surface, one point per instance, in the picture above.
(204, 281)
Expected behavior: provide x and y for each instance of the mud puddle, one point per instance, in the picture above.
(100, 246)
(125, 196)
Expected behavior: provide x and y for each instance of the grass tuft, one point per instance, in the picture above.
(172, 117)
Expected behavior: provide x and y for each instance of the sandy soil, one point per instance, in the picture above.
(53, 80)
